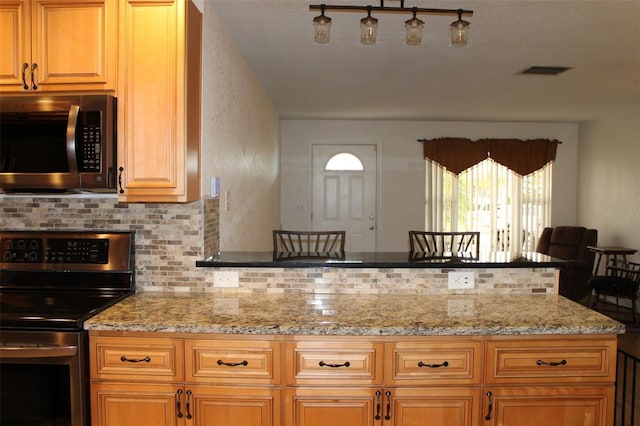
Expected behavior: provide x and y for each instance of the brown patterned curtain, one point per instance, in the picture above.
(521, 156)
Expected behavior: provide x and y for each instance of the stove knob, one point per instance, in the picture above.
(33, 256)
(22, 245)
(33, 244)
(6, 256)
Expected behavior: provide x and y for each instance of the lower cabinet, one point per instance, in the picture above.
(138, 380)
(550, 406)
(228, 380)
(388, 406)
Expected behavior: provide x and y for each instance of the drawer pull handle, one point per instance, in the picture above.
(188, 405)
(551, 364)
(233, 364)
(25, 86)
(125, 359)
(378, 393)
(34, 86)
(178, 397)
(388, 395)
(422, 364)
(490, 396)
(324, 364)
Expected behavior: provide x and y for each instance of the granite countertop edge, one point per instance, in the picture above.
(352, 315)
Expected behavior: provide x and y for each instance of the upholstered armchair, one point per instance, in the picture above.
(570, 243)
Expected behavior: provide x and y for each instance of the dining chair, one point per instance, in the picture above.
(316, 244)
(620, 282)
(459, 244)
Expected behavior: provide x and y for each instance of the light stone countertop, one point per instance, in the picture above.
(348, 314)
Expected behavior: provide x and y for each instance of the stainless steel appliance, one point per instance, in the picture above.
(50, 283)
(57, 143)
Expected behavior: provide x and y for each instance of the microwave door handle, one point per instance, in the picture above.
(71, 140)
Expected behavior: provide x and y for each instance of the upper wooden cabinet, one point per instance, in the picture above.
(159, 101)
(50, 45)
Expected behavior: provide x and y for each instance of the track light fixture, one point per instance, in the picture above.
(369, 25)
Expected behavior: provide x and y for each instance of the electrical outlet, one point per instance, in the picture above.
(461, 280)
(226, 279)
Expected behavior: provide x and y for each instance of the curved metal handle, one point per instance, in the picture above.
(123, 358)
(324, 364)
(72, 122)
(377, 416)
(422, 364)
(551, 364)
(490, 396)
(178, 398)
(120, 170)
(25, 66)
(188, 405)
(388, 395)
(233, 364)
(34, 86)
(37, 351)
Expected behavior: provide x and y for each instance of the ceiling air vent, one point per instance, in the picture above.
(540, 70)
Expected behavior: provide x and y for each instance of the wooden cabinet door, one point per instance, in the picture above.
(118, 404)
(549, 406)
(332, 406)
(159, 101)
(437, 406)
(49, 45)
(15, 48)
(224, 406)
(74, 45)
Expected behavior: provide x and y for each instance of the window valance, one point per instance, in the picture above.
(521, 156)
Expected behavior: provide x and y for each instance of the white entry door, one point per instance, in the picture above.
(344, 193)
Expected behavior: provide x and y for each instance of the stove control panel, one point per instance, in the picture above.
(55, 250)
(60, 250)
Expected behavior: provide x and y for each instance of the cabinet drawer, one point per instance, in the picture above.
(414, 363)
(331, 363)
(552, 360)
(146, 359)
(233, 361)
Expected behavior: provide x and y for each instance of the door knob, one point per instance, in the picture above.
(371, 228)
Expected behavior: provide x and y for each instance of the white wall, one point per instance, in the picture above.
(240, 142)
(401, 180)
(609, 177)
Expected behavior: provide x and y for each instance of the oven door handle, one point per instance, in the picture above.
(32, 351)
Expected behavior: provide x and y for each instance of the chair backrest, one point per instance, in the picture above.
(289, 244)
(628, 270)
(459, 244)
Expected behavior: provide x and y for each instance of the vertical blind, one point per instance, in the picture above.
(509, 208)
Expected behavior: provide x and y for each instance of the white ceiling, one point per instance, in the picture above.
(390, 80)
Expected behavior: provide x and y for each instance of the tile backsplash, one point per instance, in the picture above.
(170, 238)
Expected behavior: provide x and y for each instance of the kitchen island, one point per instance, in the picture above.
(352, 359)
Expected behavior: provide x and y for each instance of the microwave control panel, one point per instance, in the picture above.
(89, 138)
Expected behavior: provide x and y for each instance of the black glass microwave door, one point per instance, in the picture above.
(34, 142)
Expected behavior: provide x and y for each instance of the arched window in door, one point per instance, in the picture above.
(344, 161)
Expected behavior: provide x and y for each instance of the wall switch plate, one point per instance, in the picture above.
(461, 280)
(226, 279)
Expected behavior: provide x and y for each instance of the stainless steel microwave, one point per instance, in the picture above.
(57, 143)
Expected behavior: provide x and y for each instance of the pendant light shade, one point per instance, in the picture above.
(459, 31)
(413, 28)
(321, 28)
(368, 29)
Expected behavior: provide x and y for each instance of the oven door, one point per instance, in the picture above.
(43, 378)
